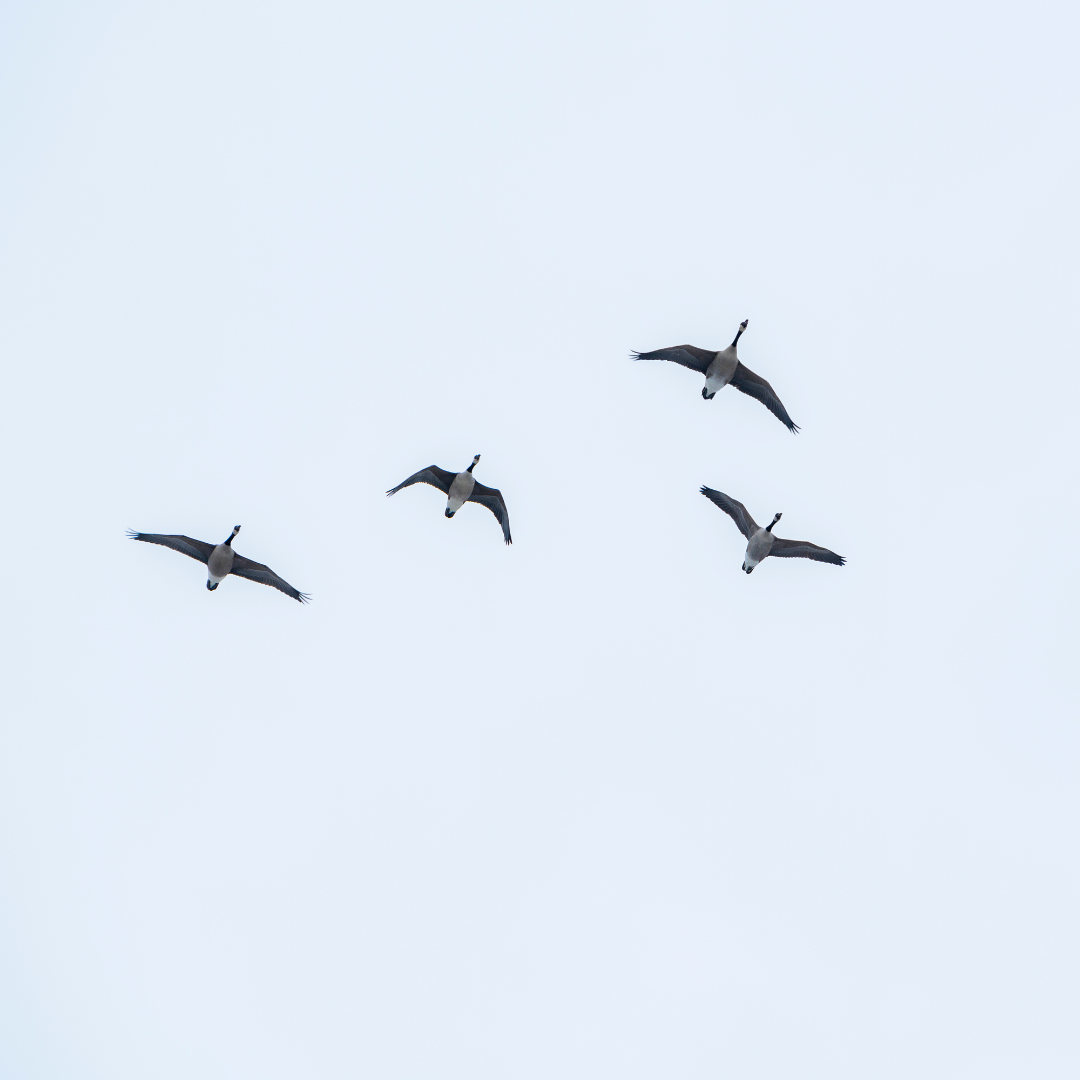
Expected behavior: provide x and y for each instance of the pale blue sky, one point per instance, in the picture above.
(598, 804)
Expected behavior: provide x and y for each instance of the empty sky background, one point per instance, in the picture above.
(598, 804)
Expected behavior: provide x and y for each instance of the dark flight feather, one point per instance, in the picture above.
(754, 385)
(493, 500)
(689, 356)
(433, 475)
(734, 509)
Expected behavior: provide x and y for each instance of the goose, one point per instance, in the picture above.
(461, 488)
(221, 561)
(762, 542)
(721, 368)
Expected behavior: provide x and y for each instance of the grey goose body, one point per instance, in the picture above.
(760, 542)
(721, 368)
(460, 488)
(221, 560)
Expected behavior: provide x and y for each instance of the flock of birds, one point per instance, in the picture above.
(719, 368)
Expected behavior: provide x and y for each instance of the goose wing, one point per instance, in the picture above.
(432, 475)
(754, 385)
(800, 549)
(193, 549)
(734, 509)
(255, 571)
(493, 500)
(688, 355)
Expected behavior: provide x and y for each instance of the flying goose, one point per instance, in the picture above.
(762, 542)
(221, 561)
(461, 488)
(721, 368)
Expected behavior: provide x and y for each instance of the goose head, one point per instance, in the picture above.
(769, 527)
(232, 537)
(475, 459)
(741, 331)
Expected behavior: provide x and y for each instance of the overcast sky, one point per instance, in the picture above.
(596, 804)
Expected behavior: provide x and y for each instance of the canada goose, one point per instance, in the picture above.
(721, 368)
(461, 488)
(762, 542)
(221, 561)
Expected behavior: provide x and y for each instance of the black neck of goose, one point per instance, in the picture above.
(472, 466)
(769, 527)
(232, 537)
(736, 341)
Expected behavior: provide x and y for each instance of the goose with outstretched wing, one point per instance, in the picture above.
(760, 541)
(221, 560)
(460, 488)
(721, 368)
